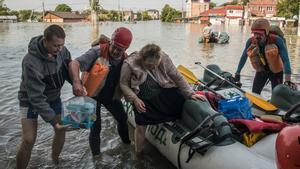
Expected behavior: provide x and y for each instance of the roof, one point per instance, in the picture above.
(8, 17)
(214, 12)
(66, 15)
(236, 7)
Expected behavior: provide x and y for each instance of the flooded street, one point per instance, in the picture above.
(180, 41)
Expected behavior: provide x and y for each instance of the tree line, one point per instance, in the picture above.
(285, 8)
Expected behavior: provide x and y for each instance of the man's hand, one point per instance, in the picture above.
(291, 85)
(60, 127)
(139, 105)
(198, 97)
(78, 89)
(237, 77)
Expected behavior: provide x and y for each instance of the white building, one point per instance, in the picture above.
(8, 19)
(234, 14)
(153, 13)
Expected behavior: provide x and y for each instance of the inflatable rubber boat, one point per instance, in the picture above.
(202, 138)
(216, 37)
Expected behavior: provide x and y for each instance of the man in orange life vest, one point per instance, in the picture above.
(268, 56)
(114, 52)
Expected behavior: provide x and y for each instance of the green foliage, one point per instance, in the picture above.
(16, 13)
(143, 16)
(3, 9)
(94, 4)
(212, 5)
(245, 2)
(24, 15)
(234, 2)
(63, 8)
(169, 14)
(288, 8)
(114, 15)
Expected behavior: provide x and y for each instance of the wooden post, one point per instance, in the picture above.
(299, 22)
(93, 13)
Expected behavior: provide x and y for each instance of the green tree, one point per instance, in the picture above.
(24, 15)
(288, 8)
(63, 8)
(3, 9)
(212, 5)
(94, 4)
(143, 16)
(114, 15)
(169, 14)
(234, 2)
(245, 2)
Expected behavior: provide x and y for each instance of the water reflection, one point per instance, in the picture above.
(180, 41)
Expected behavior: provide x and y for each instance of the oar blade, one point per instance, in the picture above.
(187, 74)
(260, 102)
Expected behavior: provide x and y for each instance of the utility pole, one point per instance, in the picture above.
(181, 9)
(299, 22)
(43, 10)
(119, 10)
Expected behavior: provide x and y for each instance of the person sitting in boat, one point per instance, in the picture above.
(157, 90)
(113, 53)
(207, 32)
(268, 56)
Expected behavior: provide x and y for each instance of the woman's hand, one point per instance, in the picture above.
(139, 105)
(198, 97)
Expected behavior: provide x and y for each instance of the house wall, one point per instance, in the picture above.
(194, 9)
(234, 13)
(216, 20)
(263, 9)
(52, 18)
(234, 21)
(154, 15)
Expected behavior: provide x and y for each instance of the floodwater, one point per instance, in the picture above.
(177, 40)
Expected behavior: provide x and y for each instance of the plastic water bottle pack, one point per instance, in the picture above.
(80, 112)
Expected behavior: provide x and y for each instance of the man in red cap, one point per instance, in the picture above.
(112, 53)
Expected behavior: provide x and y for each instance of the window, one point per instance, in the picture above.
(260, 8)
(269, 8)
(230, 11)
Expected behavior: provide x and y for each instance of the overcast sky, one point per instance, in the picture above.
(107, 4)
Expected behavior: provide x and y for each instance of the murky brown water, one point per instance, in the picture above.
(178, 40)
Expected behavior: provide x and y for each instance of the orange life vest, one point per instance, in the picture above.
(271, 59)
(94, 80)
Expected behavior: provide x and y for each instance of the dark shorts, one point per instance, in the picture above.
(28, 113)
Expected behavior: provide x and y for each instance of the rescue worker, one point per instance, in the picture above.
(268, 56)
(207, 32)
(113, 52)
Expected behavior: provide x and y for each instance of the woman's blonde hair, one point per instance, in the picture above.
(150, 52)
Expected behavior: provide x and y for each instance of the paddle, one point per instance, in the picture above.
(192, 79)
(254, 99)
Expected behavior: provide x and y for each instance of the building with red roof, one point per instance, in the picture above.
(262, 7)
(231, 14)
